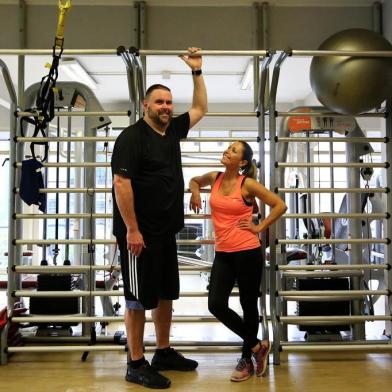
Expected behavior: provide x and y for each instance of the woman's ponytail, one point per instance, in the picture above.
(250, 170)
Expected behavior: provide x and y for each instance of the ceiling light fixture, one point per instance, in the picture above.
(77, 73)
(166, 75)
(5, 103)
(247, 79)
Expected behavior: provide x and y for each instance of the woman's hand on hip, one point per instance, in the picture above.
(245, 224)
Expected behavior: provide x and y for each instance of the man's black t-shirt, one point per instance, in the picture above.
(153, 163)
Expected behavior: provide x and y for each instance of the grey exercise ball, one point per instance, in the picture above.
(352, 85)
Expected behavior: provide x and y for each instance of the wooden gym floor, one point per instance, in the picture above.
(104, 371)
(319, 372)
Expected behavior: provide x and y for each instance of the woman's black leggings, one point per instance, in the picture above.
(245, 268)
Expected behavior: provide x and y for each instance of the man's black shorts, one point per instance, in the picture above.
(154, 274)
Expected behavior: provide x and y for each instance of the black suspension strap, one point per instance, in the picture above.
(43, 113)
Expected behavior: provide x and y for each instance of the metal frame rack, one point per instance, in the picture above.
(278, 264)
(95, 117)
(280, 270)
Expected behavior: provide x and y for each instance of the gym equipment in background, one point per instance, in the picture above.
(323, 308)
(55, 306)
(352, 85)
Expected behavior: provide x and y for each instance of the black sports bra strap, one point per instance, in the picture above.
(247, 203)
(216, 179)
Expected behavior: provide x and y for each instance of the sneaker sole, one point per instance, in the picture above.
(152, 386)
(265, 363)
(242, 379)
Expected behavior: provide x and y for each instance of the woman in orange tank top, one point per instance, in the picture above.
(238, 255)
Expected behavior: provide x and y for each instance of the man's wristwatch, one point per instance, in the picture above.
(196, 72)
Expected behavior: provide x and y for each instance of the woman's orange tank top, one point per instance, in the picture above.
(226, 212)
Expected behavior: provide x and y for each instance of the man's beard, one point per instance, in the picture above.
(154, 116)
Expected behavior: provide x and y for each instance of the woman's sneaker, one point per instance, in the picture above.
(145, 375)
(243, 370)
(261, 358)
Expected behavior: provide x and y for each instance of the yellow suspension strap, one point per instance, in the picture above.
(59, 40)
(44, 111)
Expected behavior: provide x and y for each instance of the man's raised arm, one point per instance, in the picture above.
(199, 102)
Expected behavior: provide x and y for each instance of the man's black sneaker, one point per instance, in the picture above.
(147, 376)
(172, 360)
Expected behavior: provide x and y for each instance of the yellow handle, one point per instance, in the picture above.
(63, 8)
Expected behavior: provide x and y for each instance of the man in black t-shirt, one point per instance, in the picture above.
(148, 191)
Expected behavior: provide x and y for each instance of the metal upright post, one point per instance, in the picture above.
(388, 222)
(67, 207)
(309, 176)
(355, 231)
(89, 227)
(261, 133)
(16, 154)
(332, 185)
(140, 24)
(12, 254)
(274, 249)
(257, 27)
(266, 42)
(19, 153)
(260, 82)
(377, 17)
(141, 44)
(22, 45)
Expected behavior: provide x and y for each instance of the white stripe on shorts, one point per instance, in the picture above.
(132, 266)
